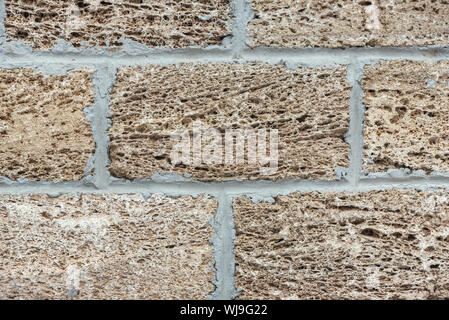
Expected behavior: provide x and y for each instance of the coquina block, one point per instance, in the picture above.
(44, 133)
(376, 245)
(406, 116)
(308, 106)
(88, 23)
(106, 247)
(348, 23)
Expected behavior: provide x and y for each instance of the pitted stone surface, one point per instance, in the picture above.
(308, 106)
(407, 113)
(106, 247)
(346, 23)
(377, 245)
(87, 23)
(44, 133)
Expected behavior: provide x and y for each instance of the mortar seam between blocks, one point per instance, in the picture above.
(354, 73)
(306, 56)
(103, 80)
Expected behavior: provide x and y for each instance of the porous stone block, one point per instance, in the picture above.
(309, 108)
(347, 23)
(106, 247)
(377, 245)
(44, 133)
(88, 23)
(407, 116)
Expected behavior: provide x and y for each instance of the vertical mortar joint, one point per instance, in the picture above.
(103, 81)
(223, 242)
(243, 14)
(357, 111)
(2, 25)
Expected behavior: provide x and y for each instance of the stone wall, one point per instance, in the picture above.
(94, 206)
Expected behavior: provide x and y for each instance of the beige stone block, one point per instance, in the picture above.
(347, 23)
(106, 247)
(407, 117)
(308, 106)
(376, 245)
(155, 23)
(44, 133)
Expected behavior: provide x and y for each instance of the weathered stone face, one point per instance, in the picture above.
(406, 115)
(308, 106)
(375, 245)
(44, 133)
(347, 23)
(106, 247)
(155, 23)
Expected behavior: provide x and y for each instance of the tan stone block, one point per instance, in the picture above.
(345, 23)
(44, 132)
(308, 106)
(155, 23)
(106, 247)
(407, 106)
(376, 245)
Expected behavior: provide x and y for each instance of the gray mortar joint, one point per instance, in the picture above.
(104, 63)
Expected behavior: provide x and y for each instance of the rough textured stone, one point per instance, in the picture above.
(155, 23)
(44, 132)
(309, 107)
(376, 245)
(343, 23)
(407, 106)
(106, 247)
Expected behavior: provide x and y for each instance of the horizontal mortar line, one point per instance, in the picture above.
(345, 53)
(314, 56)
(120, 58)
(231, 188)
(364, 185)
